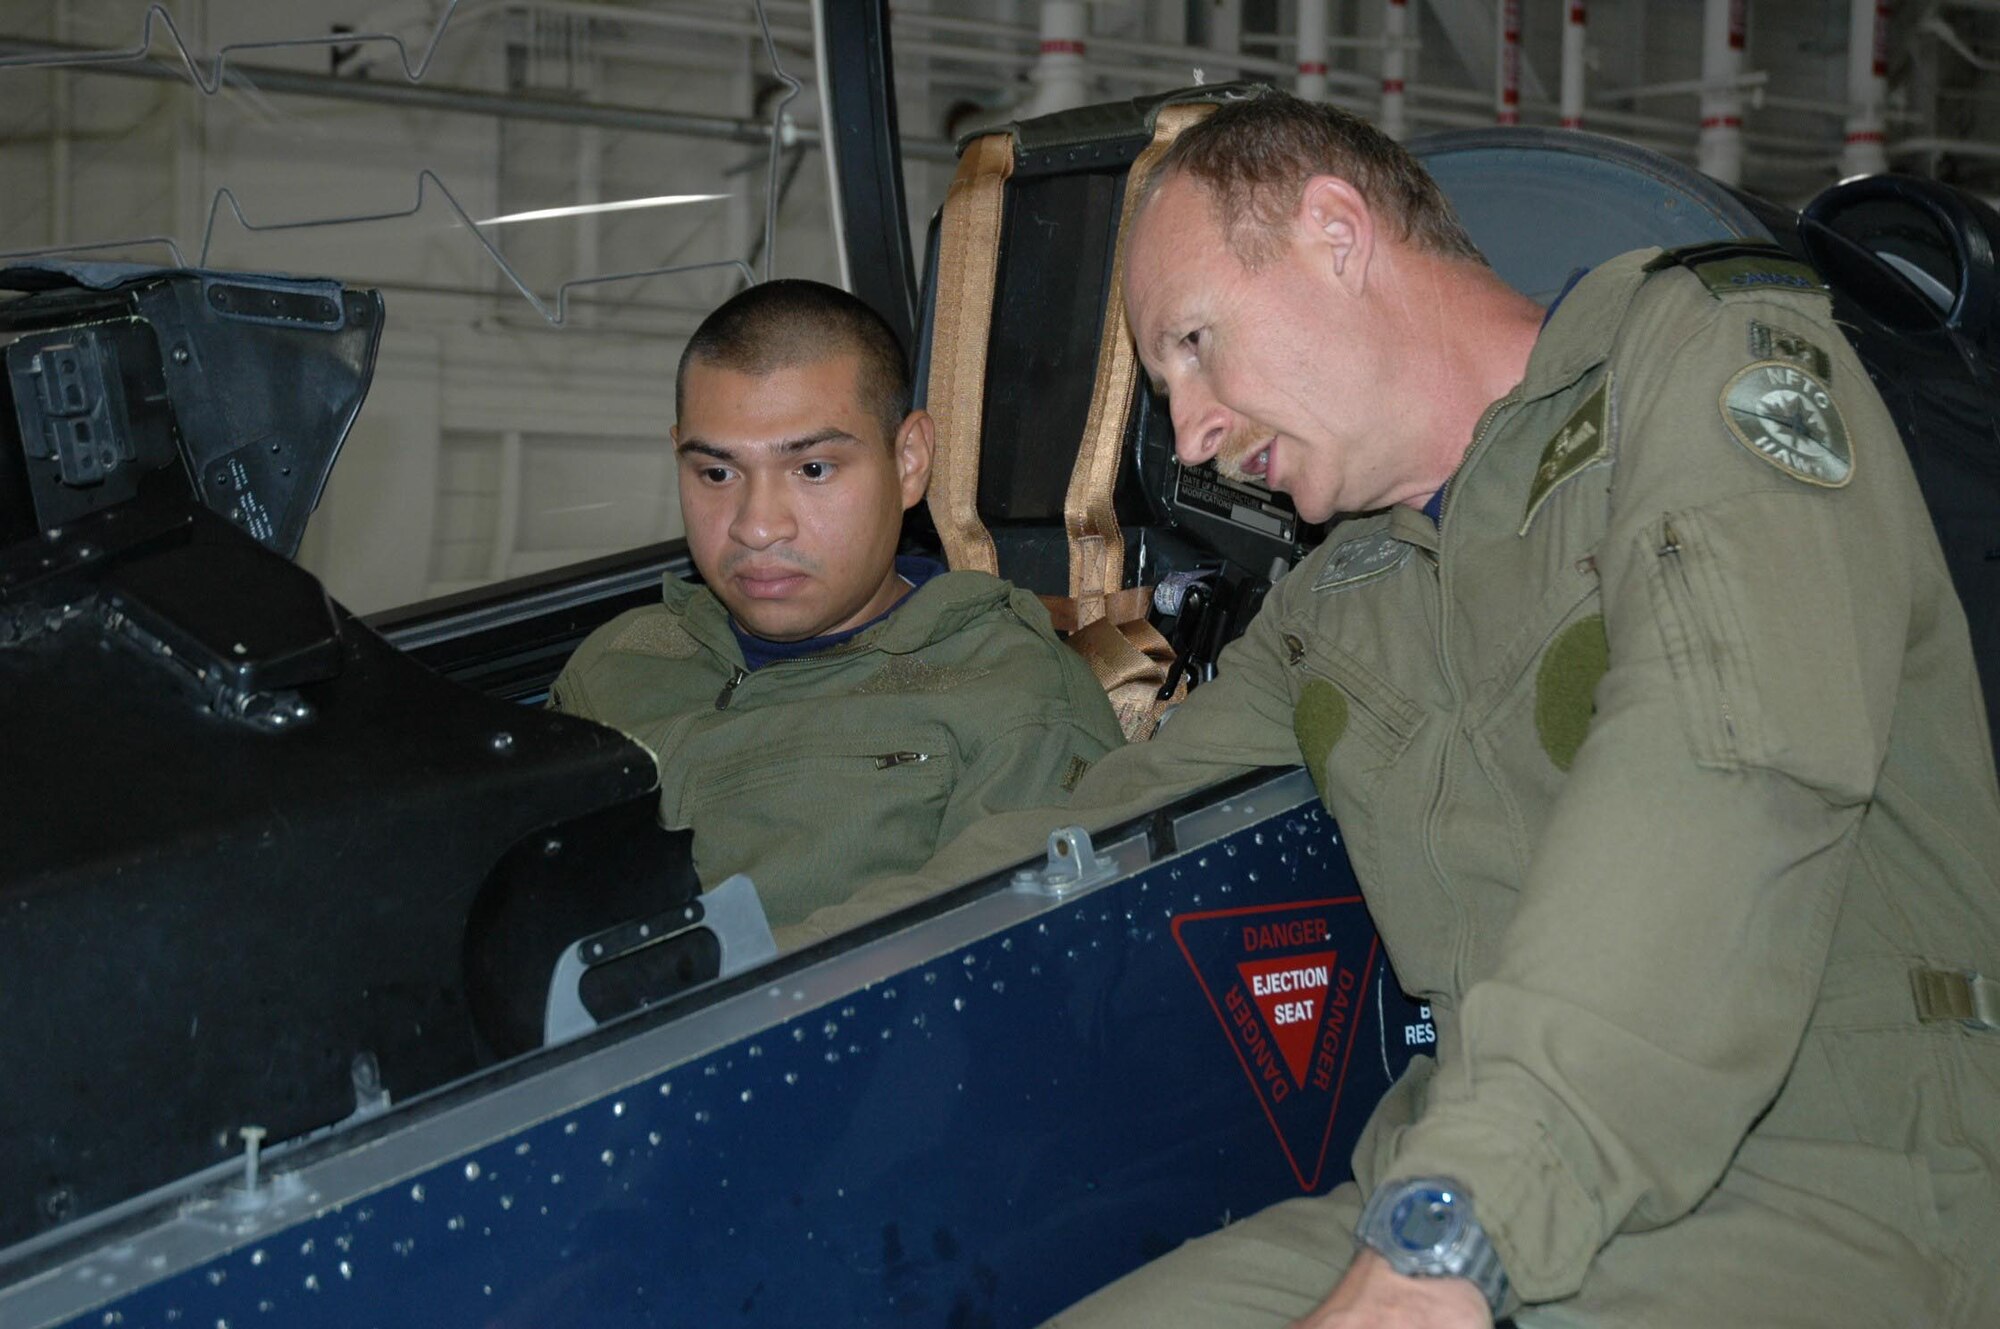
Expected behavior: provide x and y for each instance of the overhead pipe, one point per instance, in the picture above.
(1395, 24)
(1953, 147)
(60, 119)
(468, 101)
(1311, 84)
(1507, 80)
(1574, 26)
(1396, 111)
(1225, 37)
(1720, 146)
(1867, 88)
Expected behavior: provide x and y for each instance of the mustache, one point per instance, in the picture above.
(762, 559)
(1238, 446)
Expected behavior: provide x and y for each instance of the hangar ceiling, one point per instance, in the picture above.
(551, 192)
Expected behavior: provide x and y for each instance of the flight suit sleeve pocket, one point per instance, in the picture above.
(1375, 713)
(1756, 625)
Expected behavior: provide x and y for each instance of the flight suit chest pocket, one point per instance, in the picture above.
(833, 773)
(870, 801)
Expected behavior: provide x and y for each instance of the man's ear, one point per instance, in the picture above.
(674, 435)
(1338, 225)
(916, 444)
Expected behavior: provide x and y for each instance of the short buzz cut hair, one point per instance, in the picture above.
(780, 324)
(1254, 157)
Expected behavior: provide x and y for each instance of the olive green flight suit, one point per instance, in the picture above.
(813, 775)
(1662, 762)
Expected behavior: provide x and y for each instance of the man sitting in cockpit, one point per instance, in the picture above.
(822, 711)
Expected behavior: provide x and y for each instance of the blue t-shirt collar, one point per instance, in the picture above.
(760, 651)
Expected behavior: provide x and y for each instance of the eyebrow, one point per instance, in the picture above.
(789, 447)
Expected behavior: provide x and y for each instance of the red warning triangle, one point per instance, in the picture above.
(1260, 966)
(1290, 993)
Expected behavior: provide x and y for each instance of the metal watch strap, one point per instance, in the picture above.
(1473, 1259)
(1484, 1271)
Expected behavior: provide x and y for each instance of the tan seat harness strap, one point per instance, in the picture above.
(1096, 545)
(962, 325)
(1105, 619)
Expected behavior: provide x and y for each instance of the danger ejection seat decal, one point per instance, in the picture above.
(1290, 998)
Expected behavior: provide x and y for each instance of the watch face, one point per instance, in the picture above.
(1787, 417)
(1426, 1219)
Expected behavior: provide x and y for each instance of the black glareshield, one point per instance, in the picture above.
(236, 389)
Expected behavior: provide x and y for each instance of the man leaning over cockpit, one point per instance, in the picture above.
(822, 711)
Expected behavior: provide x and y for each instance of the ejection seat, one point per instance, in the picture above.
(1055, 465)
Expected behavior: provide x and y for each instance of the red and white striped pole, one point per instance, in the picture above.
(1061, 81)
(1866, 151)
(1720, 151)
(1574, 26)
(1507, 83)
(1311, 85)
(1395, 27)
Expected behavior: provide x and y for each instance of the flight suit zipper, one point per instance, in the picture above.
(728, 693)
(1462, 943)
(888, 760)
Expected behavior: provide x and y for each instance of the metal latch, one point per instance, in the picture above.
(1072, 864)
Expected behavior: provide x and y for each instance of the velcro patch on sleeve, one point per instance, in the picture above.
(1566, 687)
(1769, 343)
(1362, 559)
(1583, 440)
(656, 634)
(1319, 718)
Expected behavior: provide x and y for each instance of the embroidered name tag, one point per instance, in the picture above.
(1361, 559)
(1756, 272)
(1584, 440)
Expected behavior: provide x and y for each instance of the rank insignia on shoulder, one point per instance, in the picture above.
(1737, 267)
(1362, 559)
(1787, 417)
(1769, 343)
(1584, 440)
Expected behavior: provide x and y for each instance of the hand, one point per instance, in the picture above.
(1374, 1296)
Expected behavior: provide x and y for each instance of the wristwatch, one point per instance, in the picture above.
(1424, 1228)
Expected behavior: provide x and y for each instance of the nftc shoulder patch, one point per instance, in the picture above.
(1584, 440)
(1362, 559)
(1786, 416)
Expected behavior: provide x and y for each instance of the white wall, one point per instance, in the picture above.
(578, 413)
